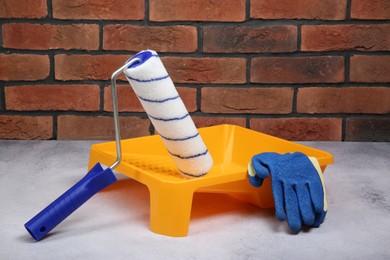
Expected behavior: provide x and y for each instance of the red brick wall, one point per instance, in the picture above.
(301, 70)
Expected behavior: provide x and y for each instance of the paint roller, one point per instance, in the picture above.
(162, 103)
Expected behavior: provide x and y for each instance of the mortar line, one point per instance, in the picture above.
(343, 128)
(1, 35)
(346, 68)
(295, 100)
(100, 47)
(55, 126)
(101, 96)
(248, 70)
(151, 129)
(299, 37)
(251, 22)
(2, 97)
(197, 54)
(348, 10)
(51, 77)
(199, 99)
(200, 39)
(247, 10)
(49, 9)
(147, 11)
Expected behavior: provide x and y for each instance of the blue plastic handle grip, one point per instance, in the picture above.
(94, 181)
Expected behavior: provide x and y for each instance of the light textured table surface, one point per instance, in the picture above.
(114, 223)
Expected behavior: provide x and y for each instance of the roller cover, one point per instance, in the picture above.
(169, 116)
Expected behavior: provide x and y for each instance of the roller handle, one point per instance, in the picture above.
(94, 181)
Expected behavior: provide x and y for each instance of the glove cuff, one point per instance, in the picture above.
(251, 170)
(316, 165)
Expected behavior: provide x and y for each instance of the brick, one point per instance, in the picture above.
(53, 97)
(189, 97)
(303, 129)
(99, 9)
(82, 67)
(48, 36)
(247, 100)
(182, 70)
(100, 127)
(26, 127)
(194, 10)
(326, 69)
(158, 38)
(128, 101)
(24, 67)
(205, 121)
(23, 9)
(300, 9)
(206, 70)
(370, 68)
(368, 129)
(248, 39)
(373, 9)
(374, 37)
(368, 100)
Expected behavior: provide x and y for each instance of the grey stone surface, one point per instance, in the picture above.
(114, 223)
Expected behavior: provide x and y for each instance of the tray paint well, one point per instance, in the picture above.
(146, 160)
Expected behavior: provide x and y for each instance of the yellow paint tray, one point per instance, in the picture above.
(146, 160)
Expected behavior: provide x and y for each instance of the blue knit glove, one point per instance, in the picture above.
(297, 187)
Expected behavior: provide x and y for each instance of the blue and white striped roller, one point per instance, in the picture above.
(166, 110)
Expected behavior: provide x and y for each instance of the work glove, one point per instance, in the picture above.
(297, 186)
